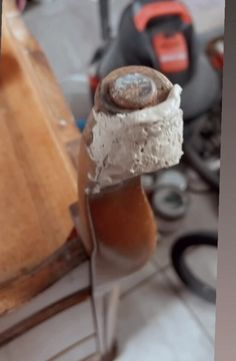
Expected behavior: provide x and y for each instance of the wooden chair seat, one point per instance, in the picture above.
(38, 178)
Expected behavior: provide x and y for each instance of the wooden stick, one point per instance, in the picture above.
(23, 287)
(43, 315)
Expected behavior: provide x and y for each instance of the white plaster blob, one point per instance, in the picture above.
(130, 144)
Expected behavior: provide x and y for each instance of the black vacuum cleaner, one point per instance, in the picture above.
(203, 137)
(158, 34)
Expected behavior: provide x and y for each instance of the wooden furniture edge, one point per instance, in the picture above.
(60, 120)
(61, 125)
(43, 315)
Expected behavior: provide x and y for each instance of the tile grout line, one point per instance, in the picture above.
(163, 270)
(71, 347)
(198, 321)
(143, 282)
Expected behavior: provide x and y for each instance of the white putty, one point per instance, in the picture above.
(130, 144)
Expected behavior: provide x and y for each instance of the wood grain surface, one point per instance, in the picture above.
(37, 176)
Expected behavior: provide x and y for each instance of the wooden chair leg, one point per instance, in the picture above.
(105, 304)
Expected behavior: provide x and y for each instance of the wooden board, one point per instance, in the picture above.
(37, 177)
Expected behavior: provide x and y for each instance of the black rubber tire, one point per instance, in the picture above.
(185, 274)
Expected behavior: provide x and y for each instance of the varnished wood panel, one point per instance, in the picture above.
(37, 176)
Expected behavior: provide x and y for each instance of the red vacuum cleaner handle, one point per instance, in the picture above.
(165, 8)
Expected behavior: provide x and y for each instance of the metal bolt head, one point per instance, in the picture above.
(132, 90)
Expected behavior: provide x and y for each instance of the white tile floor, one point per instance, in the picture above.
(158, 318)
(161, 326)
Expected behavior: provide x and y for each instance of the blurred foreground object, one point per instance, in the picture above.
(135, 127)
